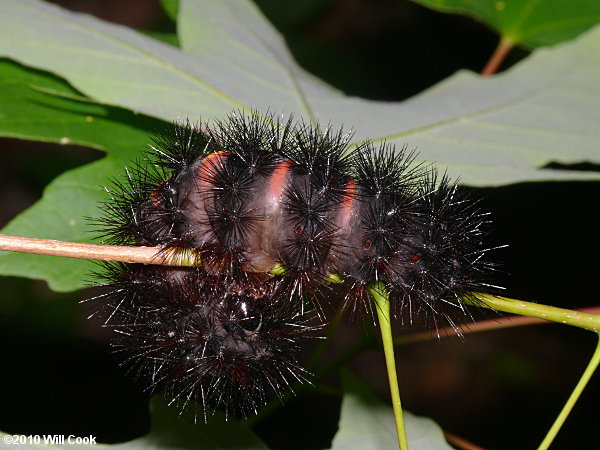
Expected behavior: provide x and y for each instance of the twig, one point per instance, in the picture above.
(459, 442)
(143, 255)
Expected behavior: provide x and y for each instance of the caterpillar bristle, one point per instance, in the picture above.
(255, 142)
(254, 193)
(385, 171)
(228, 351)
(444, 261)
(178, 148)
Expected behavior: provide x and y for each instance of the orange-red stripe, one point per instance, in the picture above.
(278, 178)
(347, 203)
(210, 160)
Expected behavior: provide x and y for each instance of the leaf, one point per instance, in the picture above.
(493, 131)
(486, 131)
(531, 23)
(368, 424)
(247, 45)
(37, 106)
(171, 8)
(29, 112)
(172, 431)
(167, 38)
(115, 64)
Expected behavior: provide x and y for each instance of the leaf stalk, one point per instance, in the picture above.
(502, 50)
(564, 413)
(578, 319)
(379, 294)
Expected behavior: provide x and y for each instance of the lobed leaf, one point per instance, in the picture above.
(493, 131)
(486, 131)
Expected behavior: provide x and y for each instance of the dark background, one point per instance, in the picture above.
(500, 389)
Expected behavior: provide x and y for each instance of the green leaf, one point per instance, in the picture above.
(493, 131)
(112, 63)
(37, 106)
(171, 430)
(170, 7)
(167, 38)
(531, 23)
(60, 214)
(29, 112)
(366, 423)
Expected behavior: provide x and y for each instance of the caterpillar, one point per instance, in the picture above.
(275, 211)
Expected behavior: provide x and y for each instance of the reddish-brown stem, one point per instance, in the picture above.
(504, 47)
(484, 325)
(459, 442)
(144, 255)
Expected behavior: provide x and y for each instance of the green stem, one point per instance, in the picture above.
(560, 315)
(583, 381)
(382, 305)
(567, 316)
(477, 327)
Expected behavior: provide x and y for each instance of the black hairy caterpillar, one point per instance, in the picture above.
(272, 212)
